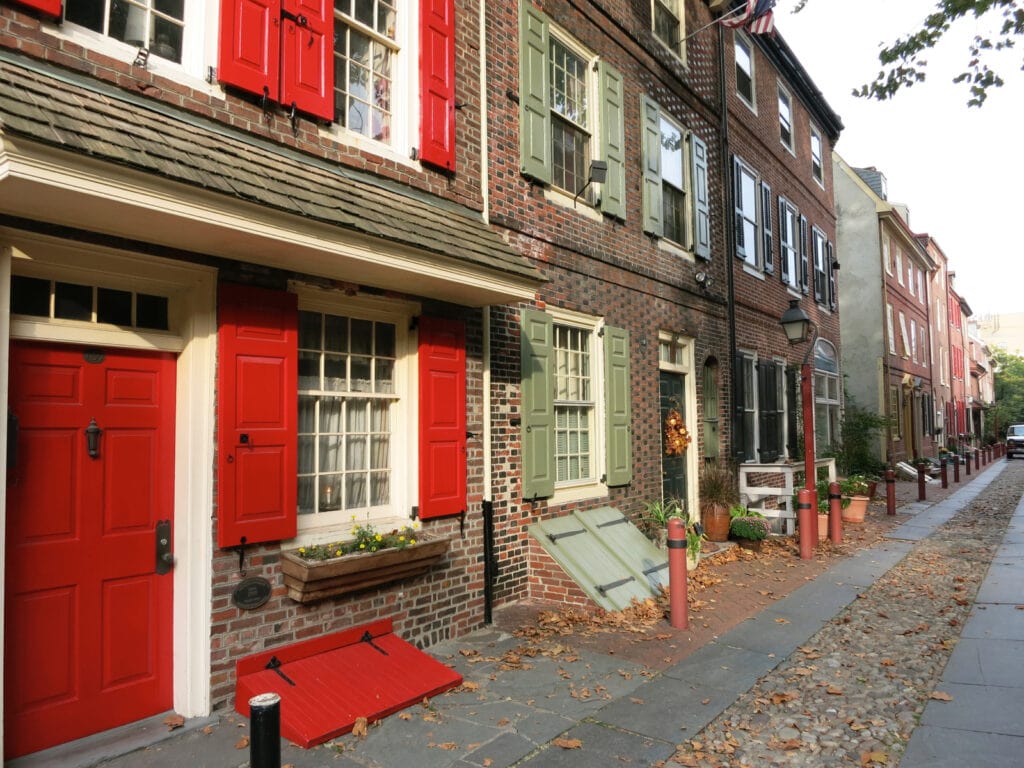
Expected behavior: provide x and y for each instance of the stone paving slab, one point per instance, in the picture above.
(945, 748)
(996, 621)
(987, 662)
(1004, 583)
(718, 665)
(983, 708)
(602, 748)
(866, 567)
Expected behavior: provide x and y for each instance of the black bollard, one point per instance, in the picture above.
(944, 471)
(265, 731)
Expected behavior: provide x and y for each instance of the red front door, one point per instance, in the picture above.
(88, 620)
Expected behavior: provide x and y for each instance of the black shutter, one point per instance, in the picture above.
(792, 404)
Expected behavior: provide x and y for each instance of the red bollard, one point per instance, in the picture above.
(920, 483)
(835, 514)
(679, 608)
(807, 522)
(890, 492)
(956, 469)
(944, 472)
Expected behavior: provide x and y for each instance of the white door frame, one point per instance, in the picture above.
(191, 290)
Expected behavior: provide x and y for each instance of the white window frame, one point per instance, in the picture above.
(676, 9)
(887, 255)
(818, 252)
(687, 189)
(321, 527)
(891, 327)
(405, 95)
(786, 122)
(824, 380)
(904, 335)
(913, 340)
(817, 157)
(592, 486)
(199, 45)
(897, 265)
(741, 42)
(750, 407)
(789, 250)
(752, 257)
(911, 279)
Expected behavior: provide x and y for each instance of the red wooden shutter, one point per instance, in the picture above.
(257, 392)
(250, 45)
(442, 367)
(307, 57)
(49, 7)
(437, 83)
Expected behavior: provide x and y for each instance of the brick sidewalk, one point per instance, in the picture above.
(727, 589)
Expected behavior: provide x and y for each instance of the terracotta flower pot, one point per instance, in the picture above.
(754, 545)
(716, 519)
(855, 510)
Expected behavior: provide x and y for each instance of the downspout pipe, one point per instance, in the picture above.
(730, 247)
(487, 503)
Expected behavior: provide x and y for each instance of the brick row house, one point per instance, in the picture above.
(780, 134)
(271, 272)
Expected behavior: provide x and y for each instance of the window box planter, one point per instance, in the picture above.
(311, 580)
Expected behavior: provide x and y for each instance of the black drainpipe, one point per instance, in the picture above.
(729, 233)
(490, 559)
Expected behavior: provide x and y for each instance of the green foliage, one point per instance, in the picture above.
(658, 513)
(738, 510)
(855, 452)
(751, 528)
(905, 60)
(718, 485)
(1009, 393)
(366, 539)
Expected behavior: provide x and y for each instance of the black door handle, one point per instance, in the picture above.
(92, 439)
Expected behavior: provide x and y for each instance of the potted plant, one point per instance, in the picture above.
(369, 559)
(749, 531)
(655, 517)
(717, 494)
(855, 496)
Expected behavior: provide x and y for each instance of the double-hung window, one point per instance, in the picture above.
(826, 396)
(747, 220)
(366, 58)
(349, 411)
(668, 19)
(744, 55)
(789, 243)
(817, 167)
(571, 109)
(820, 266)
(786, 118)
(745, 378)
(375, 68)
(897, 263)
(675, 186)
(576, 404)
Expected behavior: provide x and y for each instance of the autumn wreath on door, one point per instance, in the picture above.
(677, 438)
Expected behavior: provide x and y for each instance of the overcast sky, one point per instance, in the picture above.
(959, 169)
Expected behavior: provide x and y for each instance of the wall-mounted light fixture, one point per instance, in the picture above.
(703, 279)
(598, 174)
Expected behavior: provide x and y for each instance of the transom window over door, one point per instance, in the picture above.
(158, 25)
(347, 399)
(570, 133)
(574, 404)
(365, 50)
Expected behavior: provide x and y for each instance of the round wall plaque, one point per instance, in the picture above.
(251, 593)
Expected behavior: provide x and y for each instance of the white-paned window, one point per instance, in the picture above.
(826, 397)
(786, 118)
(746, 213)
(350, 410)
(887, 255)
(891, 328)
(820, 266)
(669, 22)
(744, 54)
(366, 52)
(674, 173)
(913, 340)
(817, 168)
(789, 239)
(571, 116)
(575, 404)
(897, 263)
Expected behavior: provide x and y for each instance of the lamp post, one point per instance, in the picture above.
(796, 324)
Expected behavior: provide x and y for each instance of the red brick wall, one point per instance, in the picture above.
(549, 582)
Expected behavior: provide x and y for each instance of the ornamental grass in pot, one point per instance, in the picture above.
(717, 494)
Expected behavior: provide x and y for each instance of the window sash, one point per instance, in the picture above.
(365, 64)
(744, 71)
(160, 27)
(574, 406)
(817, 170)
(668, 24)
(746, 214)
(785, 119)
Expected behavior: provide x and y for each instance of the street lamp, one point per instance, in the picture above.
(796, 324)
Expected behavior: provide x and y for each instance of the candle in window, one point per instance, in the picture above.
(327, 495)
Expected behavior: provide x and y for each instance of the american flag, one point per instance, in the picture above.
(756, 17)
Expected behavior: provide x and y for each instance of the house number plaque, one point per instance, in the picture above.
(251, 593)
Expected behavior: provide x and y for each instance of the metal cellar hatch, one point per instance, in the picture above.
(605, 554)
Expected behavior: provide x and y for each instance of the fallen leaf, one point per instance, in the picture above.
(866, 758)
(468, 685)
(488, 762)
(174, 721)
(208, 730)
(887, 663)
(404, 716)
(781, 620)
(636, 701)
(503, 722)
(940, 696)
(242, 743)
(834, 691)
(448, 745)
(359, 728)
(568, 743)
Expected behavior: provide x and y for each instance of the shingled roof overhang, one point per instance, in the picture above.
(82, 153)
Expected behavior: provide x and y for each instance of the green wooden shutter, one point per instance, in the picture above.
(650, 119)
(534, 94)
(701, 198)
(538, 390)
(618, 440)
(613, 141)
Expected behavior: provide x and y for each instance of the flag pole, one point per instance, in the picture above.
(729, 15)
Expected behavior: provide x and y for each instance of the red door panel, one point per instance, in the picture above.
(88, 622)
